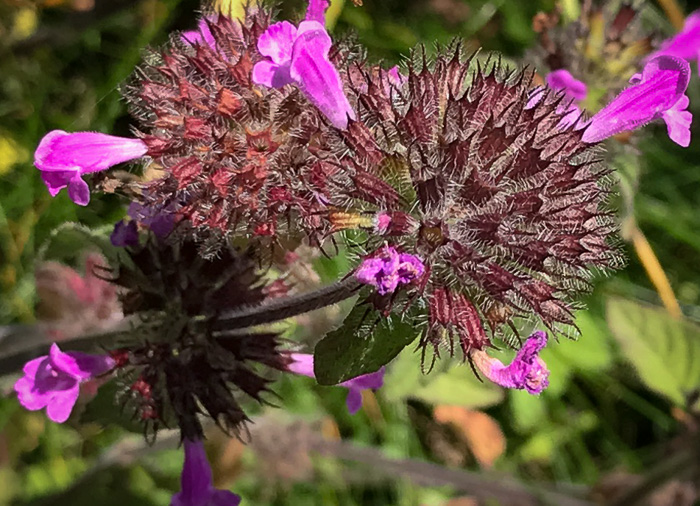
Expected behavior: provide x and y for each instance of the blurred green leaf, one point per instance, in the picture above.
(664, 351)
(455, 384)
(365, 341)
(70, 241)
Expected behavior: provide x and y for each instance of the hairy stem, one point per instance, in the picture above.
(673, 12)
(655, 271)
(286, 307)
(20, 344)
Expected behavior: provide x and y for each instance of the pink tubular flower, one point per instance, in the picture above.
(658, 92)
(53, 381)
(686, 43)
(303, 363)
(388, 269)
(299, 55)
(63, 158)
(202, 35)
(197, 487)
(527, 370)
(563, 80)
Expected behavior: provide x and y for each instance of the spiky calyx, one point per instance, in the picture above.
(507, 209)
(175, 365)
(237, 159)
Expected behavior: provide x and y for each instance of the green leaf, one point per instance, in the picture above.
(454, 384)
(69, 241)
(664, 351)
(364, 342)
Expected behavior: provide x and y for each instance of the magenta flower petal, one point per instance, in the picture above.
(277, 42)
(316, 11)
(527, 371)
(686, 43)
(63, 158)
(78, 190)
(61, 403)
(53, 381)
(197, 487)
(202, 35)
(354, 400)
(300, 56)
(317, 77)
(660, 87)
(303, 364)
(563, 80)
(678, 120)
(271, 75)
(387, 269)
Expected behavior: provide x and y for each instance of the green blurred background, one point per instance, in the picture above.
(623, 399)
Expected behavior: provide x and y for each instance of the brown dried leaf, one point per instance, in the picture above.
(479, 430)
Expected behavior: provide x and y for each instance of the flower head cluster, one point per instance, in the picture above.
(234, 118)
(507, 212)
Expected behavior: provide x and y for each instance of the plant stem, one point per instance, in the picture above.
(20, 344)
(286, 307)
(655, 271)
(673, 12)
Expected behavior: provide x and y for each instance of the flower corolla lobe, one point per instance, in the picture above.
(53, 381)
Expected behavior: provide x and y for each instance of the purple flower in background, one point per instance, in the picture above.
(159, 219)
(53, 381)
(125, 233)
(63, 158)
(202, 35)
(686, 43)
(389, 269)
(573, 89)
(563, 80)
(316, 11)
(658, 92)
(299, 55)
(303, 363)
(527, 370)
(197, 488)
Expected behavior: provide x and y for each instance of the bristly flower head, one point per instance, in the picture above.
(176, 363)
(237, 158)
(506, 210)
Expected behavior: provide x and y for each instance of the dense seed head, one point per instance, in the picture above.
(237, 159)
(506, 208)
(175, 366)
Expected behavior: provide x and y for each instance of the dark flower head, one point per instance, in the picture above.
(175, 365)
(237, 157)
(505, 208)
